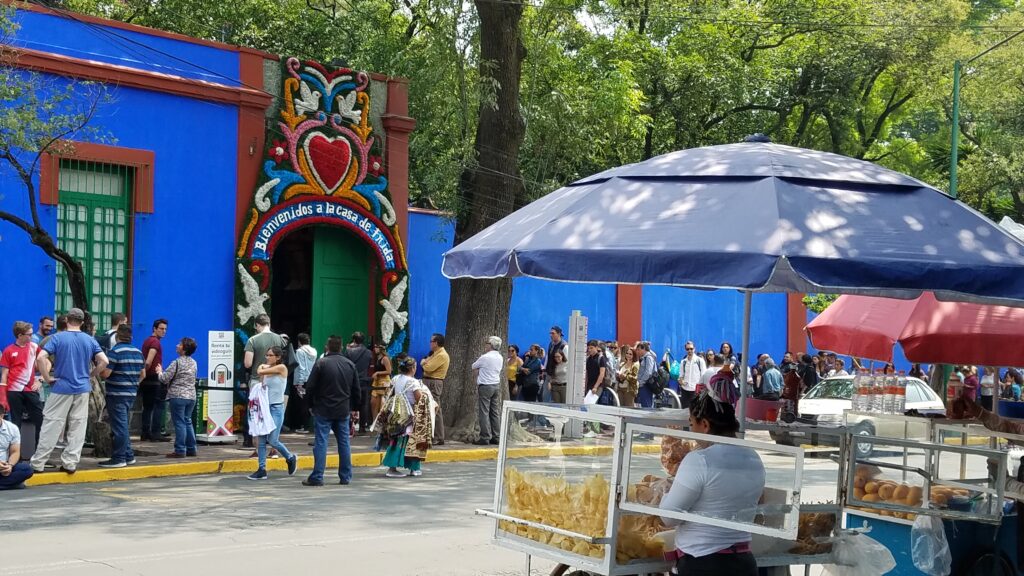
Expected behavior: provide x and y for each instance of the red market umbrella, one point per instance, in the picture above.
(930, 331)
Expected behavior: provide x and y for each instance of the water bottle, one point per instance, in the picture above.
(877, 392)
(889, 396)
(901, 393)
(865, 390)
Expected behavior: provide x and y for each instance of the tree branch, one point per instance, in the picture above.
(891, 106)
(8, 217)
(714, 120)
(26, 178)
(748, 53)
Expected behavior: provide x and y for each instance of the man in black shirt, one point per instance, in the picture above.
(332, 390)
(597, 364)
(361, 356)
(557, 344)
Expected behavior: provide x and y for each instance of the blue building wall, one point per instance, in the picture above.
(75, 37)
(182, 262)
(671, 316)
(536, 304)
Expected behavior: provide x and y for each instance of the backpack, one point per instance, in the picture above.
(723, 388)
(609, 378)
(673, 367)
(658, 381)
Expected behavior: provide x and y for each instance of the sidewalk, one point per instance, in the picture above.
(234, 459)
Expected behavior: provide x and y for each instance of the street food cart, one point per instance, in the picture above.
(937, 467)
(592, 503)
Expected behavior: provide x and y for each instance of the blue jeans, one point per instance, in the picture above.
(322, 430)
(119, 408)
(274, 438)
(22, 471)
(184, 430)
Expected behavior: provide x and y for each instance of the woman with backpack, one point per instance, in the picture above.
(406, 421)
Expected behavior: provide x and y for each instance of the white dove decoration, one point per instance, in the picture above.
(345, 105)
(392, 316)
(254, 300)
(308, 100)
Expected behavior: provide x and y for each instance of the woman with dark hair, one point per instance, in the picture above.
(381, 378)
(512, 365)
(529, 375)
(727, 352)
(709, 357)
(629, 370)
(409, 412)
(180, 379)
(718, 481)
(274, 374)
(559, 371)
(917, 372)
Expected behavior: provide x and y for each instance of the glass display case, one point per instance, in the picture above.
(581, 485)
(901, 479)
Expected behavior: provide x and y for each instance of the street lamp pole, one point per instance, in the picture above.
(954, 151)
(955, 138)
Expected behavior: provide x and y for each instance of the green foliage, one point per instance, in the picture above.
(607, 82)
(817, 303)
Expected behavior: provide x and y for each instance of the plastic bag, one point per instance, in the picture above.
(261, 422)
(859, 555)
(929, 548)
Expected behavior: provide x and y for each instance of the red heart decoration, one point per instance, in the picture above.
(329, 159)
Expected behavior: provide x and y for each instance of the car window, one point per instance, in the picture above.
(840, 388)
(914, 392)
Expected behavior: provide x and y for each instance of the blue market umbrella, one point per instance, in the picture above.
(756, 217)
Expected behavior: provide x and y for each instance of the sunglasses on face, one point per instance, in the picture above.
(689, 349)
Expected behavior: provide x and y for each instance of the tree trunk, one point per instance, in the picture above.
(489, 190)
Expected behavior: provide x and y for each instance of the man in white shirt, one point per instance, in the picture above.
(488, 379)
(691, 368)
(12, 472)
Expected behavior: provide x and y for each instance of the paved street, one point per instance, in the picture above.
(228, 525)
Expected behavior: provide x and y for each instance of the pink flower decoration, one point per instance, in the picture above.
(278, 150)
(376, 165)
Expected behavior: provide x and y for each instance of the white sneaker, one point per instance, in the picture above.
(394, 474)
(416, 473)
(590, 434)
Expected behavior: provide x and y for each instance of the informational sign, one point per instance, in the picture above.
(577, 341)
(218, 400)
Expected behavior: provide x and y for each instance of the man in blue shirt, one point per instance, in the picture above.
(77, 358)
(123, 375)
(45, 327)
(771, 381)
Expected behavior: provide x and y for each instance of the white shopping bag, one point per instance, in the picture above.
(261, 422)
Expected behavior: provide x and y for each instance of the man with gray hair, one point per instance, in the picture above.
(488, 369)
(771, 381)
(78, 358)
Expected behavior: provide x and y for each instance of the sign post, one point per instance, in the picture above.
(218, 396)
(576, 384)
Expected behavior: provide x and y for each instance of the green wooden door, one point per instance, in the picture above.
(341, 285)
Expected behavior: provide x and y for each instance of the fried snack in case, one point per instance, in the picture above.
(673, 450)
(582, 508)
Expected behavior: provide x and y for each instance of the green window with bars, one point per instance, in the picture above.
(94, 226)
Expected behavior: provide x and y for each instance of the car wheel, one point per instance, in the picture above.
(988, 564)
(864, 429)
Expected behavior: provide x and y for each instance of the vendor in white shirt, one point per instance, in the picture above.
(721, 481)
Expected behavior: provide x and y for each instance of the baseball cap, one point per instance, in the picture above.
(76, 314)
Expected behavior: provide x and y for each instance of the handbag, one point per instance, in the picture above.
(673, 367)
(261, 422)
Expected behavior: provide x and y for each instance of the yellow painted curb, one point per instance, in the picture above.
(361, 459)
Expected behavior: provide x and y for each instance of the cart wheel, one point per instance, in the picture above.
(864, 429)
(988, 564)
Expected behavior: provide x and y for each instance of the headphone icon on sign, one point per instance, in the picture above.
(220, 374)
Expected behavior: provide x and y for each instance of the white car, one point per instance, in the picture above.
(824, 404)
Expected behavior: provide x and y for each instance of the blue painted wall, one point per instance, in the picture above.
(429, 237)
(70, 36)
(671, 316)
(536, 304)
(182, 262)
